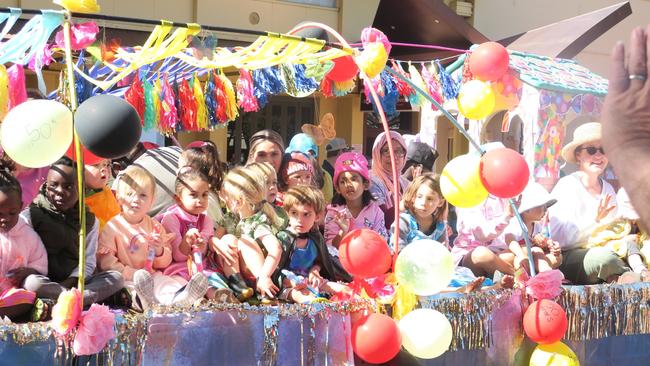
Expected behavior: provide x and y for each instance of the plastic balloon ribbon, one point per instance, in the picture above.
(17, 91)
(135, 96)
(187, 105)
(168, 111)
(210, 100)
(4, 92)
(149, 112)
(245, 92)
(201, 109)
(416, 78)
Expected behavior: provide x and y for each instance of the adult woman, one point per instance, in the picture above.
(584, 199)
(266, 146)
(381, 175)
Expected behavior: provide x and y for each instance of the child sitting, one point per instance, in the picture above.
(296, 169)
(54, 215)
(547, 255)
(99, 197)
(139, 247)
(193, 230)
(21, 251)
(266, 169)
(304, 252)
(245, 195)
(353, 206)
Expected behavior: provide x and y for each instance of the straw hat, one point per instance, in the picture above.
(535, 195)
(587, 132)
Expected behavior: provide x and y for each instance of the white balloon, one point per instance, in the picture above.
(425, 267)
(426, 333)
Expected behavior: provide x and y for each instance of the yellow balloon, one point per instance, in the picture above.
(554, 354)
(476, 99)
(79, 6)
(425, 267)
(372, 59)
(36, 133)
(460, 181)
(426, 333)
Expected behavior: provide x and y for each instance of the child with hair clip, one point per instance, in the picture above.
(21, 252)
(194, 237)
(306, 268)
(54, 215)
(296, 168)
(245, 195)
(353, 206)
(139, 247)
(266, 169)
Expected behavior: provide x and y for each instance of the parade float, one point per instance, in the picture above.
(398, 314)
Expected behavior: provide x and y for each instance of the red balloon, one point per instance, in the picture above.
(344, 69)
(489, 61)
(545, 322)
(376, 338)
(89, 158)
(364, 253)
(504, 172)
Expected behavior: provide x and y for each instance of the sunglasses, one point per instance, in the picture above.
(591, 150)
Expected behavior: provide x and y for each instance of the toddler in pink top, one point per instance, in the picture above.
(194, 247)
(21, 251)
(353, 206)
(140, 248)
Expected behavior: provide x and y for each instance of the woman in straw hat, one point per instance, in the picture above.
(584, 200)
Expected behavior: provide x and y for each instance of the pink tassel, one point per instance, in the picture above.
(245, 92)
(96, 328)
(17, 91)
(545, 285)
(433, 86)
(168, 113)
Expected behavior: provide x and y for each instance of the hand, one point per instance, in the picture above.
(604, 208)
(416, 171)
(227, 249)
(266, 287)
(343, 221)
(554, 247)
(626, 117)
(17, 276)
(315, 280)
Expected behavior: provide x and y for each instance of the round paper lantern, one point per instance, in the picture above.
(364, 253)
(89, 157)
(344, 69)
(108, 126)
(504, 172)
(425, 267)
(545, 322)
(555, 354)
(476, 99)
(376, 338)
(489, 61)
(37, 133)
(460, 181)
(426, 333)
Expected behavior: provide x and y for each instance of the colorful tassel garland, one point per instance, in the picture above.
(245, 92)
(389, 99)
(149, 106)
(403, 88)
(222, 100)
(260, 87)
(157, 108)
(230, 100)
(449, 86)
(288, 77)
(303, 83)
(415, 99)
(17, 91)
(326, 87)
(343, 88)
(168, 113)
(134, 95)
(4, 92)
(211, 101)
(201, 109)
(433, 87)
(188, 106)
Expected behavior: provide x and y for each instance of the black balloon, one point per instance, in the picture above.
(108, 126)
(312, 32)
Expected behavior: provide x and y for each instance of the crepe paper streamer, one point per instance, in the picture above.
(210, 100)
(81, 36)
(157, 109)
(201, 109)
(79, 6)
(4, 92)
(260, 87)
(302, 82)
(433, 87)
(135, 96)
(149, 109)
(416, 78)
(222, 100)
(389, 99)
(245, 92)
(230, 101)
(17, 91)
(402, 88)
(187, 106)
(168, 112)
(449, 86)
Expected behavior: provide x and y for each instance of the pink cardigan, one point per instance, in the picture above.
(22, 247)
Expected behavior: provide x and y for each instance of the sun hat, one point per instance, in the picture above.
(304, 143)
(535, 195)
(337, 144)
(351, 162)
(588, 132)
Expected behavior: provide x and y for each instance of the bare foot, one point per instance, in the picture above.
(474, 286)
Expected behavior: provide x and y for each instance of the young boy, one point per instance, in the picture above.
(304, 253)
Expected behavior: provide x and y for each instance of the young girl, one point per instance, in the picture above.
(266, 169)
(54, 215)
(304, 252)
(193, 230)
(99, 198)
(21, 251)
(245, 194)
(423, 215)
(353, 207)
(296, 169)
(547, 255)
(139, 247)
